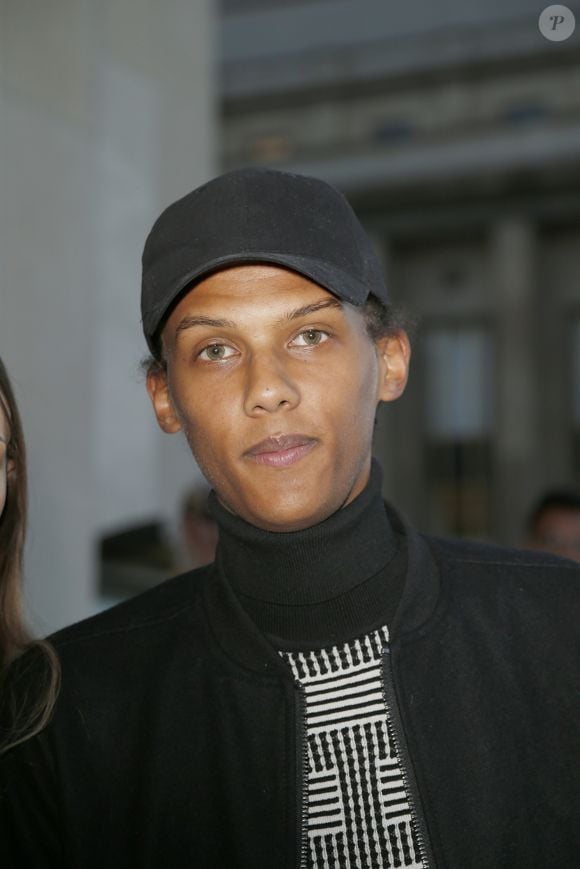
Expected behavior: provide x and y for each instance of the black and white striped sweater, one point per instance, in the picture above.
(358, 812)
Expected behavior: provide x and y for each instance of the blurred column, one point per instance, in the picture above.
(107, 115)
(516, 436)
(382, 443)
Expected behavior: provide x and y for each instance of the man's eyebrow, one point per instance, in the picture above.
(310, 309)
(189, 321)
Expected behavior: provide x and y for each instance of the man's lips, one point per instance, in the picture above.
(279, 452)
(277, 444)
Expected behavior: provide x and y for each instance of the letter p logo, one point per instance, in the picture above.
(557, 23)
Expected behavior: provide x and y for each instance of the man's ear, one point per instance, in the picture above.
(394, 353)
(158, 390)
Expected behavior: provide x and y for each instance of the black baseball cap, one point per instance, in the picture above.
(257, 215)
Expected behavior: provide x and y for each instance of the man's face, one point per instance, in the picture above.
(558, 531)
(258, 352)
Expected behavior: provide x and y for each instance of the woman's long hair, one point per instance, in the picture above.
(30, 714)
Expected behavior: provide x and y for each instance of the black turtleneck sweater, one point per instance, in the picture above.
(329, 583)
(324, 597)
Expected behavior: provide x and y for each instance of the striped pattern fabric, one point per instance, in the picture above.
(358, 811)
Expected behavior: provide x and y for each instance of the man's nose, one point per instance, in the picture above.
(270, 386)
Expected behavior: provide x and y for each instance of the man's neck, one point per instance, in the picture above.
(321, 583)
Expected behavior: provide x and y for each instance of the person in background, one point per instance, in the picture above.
(554, 523)
(15, 638)
(199, 530)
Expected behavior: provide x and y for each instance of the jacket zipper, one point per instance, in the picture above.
(301, 779)
(410, 783)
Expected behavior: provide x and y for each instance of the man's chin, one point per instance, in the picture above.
(295, 516)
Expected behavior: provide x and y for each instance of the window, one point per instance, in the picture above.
(458, 378)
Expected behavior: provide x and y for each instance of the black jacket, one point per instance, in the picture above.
(176, 740)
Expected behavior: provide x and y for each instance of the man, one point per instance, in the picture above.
(554, 524)
(337, 690)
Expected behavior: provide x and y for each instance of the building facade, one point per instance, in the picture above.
(456, 136)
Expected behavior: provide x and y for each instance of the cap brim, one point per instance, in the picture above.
(330, 277)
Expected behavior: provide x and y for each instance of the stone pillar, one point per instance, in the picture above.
(107, 115)
(516, 447)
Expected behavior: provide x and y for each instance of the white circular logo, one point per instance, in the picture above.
(557, 23)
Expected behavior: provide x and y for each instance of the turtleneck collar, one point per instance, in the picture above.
(318, 583)
(309, 566)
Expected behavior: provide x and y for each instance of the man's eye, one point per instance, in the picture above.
(216, 352)
(311, 337)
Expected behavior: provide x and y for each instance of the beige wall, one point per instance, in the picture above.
(106, 115)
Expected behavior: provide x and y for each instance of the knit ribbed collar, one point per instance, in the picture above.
(311, 566)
